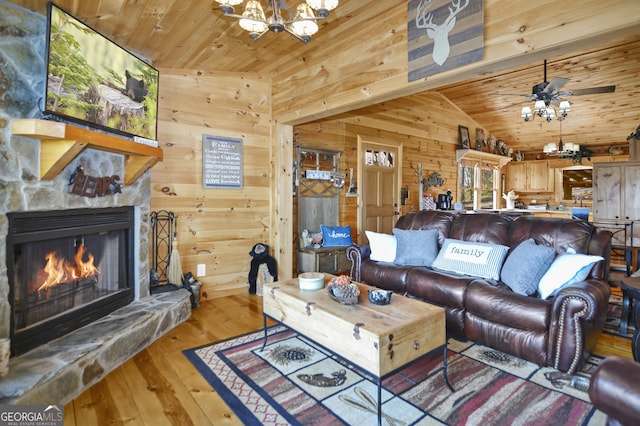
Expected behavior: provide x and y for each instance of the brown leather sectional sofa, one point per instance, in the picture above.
(614, 389)
(560, 331)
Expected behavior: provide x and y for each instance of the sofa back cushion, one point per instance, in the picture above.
(562, 234)
(481, 227)
(428, 219)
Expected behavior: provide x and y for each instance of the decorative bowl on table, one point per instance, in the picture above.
(311, 280)
(380, 297)
(342, 290)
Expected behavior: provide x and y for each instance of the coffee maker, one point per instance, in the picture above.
(444, 201)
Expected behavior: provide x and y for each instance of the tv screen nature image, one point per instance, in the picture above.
(92, 80)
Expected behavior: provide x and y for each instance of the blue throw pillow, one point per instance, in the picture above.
(336, 235)
(416, 247)
(526, 265)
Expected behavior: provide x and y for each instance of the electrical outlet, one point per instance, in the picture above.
(202, 270)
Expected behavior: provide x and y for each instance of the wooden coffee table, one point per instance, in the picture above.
(379, 339)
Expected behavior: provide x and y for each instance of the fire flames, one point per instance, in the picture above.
(60, 271)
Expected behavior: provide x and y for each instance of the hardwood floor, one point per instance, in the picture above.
(159, 386)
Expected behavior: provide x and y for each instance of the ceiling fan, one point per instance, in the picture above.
(549, 91)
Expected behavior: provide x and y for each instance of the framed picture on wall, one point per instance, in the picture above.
(463, 133)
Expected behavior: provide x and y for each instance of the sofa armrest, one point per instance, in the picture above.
(614, 389)
(355, 253)
(578, 314)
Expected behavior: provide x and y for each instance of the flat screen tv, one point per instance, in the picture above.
(95, 82)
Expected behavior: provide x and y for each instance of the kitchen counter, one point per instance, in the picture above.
(540, 213)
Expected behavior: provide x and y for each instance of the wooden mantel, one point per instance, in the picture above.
(60, 143)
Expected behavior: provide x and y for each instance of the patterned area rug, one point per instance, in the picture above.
(294, 381)
(612, 326)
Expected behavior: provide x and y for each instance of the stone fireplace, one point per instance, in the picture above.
(55, 362)
(66, 269)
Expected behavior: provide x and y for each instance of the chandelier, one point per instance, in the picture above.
(562, 150)
(302, 25)
(544, 109)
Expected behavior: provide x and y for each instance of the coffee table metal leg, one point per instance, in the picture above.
(379, 401)
(446, 376)
(264, 343)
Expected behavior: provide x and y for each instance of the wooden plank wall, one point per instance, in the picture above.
(216, 227)
(433, 144)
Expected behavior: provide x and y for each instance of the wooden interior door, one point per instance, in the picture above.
(380, 177)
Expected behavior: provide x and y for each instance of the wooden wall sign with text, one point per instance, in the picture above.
(221, 162)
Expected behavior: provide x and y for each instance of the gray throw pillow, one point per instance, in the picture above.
(526, 265)
(416, 247)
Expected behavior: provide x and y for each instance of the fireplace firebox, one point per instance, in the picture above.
(67, 268)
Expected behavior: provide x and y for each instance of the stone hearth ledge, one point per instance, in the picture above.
(60, 370)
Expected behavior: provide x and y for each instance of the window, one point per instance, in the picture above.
(379, 158)
(479, 185)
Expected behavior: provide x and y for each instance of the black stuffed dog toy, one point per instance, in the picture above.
(260, 255)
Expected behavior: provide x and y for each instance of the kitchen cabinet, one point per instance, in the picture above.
(530, 176)
(615, 194)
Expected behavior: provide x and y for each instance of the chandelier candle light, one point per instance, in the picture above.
(302, 25)
(563, 149)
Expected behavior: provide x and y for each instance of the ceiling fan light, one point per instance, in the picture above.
(526, 113)
(549, 114)
(564, 107)
(253, 19)
(540, 107)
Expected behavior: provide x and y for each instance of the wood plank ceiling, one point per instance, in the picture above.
(192, 34)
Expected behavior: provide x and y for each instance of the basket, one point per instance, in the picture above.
(342, 300)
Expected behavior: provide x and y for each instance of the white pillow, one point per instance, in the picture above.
(566, 269)
(383, 246)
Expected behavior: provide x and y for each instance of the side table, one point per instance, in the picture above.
(631, 300)
(331, 260)
(630, 256)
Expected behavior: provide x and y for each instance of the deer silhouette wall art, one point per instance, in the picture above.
(439, 33)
